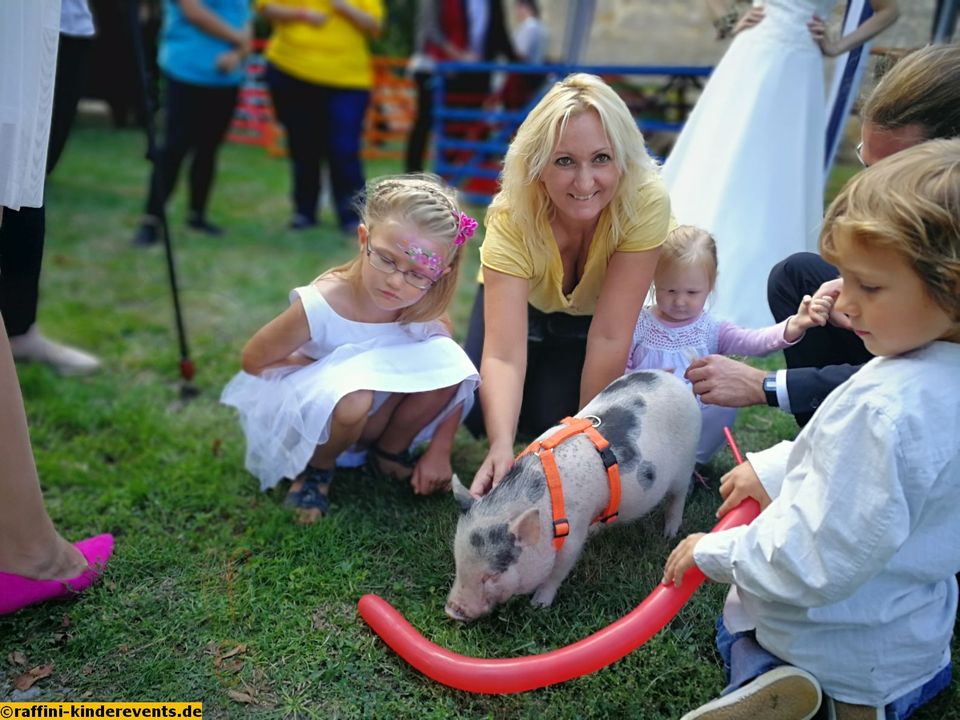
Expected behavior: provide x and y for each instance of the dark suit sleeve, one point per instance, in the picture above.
(808, 387)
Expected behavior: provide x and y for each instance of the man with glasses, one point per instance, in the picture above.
(918, 100)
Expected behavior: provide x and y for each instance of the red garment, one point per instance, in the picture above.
(453, 24)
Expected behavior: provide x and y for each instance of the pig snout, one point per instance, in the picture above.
(464, 607)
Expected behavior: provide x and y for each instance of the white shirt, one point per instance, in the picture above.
(849, 573)
(478, 14)
(76, 19)
(530, 40)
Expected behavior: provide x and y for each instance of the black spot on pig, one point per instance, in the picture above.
(496, 545)
(647, 474)
(525, 483)
(621, 427)
(634, 382)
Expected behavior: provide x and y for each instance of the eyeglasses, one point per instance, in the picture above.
(388, 266)
(860, 154)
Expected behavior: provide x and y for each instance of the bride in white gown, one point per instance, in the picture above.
(748, 165)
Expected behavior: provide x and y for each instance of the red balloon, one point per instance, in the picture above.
(513, 675)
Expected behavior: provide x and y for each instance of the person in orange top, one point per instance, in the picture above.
(320, 71)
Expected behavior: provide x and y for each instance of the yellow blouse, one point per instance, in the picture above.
(505, 250)
(336, 53)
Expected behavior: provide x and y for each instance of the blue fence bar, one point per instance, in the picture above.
(462, 161)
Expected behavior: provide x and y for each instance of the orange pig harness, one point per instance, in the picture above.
(543, 449)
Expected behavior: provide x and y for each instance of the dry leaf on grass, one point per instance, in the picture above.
(241, 697)
(239, 649)
(25, 682)
(17, 658)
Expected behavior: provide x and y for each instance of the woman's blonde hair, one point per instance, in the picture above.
(909, 202)
(690, 246)
(523, 197)
(921, 89)
(428, 204)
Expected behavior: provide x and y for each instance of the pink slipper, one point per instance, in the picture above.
(18, 592)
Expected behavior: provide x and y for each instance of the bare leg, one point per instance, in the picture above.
(412, 413)
(349, 418)
(29, 544)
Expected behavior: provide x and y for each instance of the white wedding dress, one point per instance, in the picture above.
(748, 165)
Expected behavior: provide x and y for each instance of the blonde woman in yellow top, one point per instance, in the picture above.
(571, 245)
(320, 71)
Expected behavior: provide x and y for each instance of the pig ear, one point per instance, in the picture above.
(463, 497)
(526, 527)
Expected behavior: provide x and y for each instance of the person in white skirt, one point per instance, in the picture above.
(675, 330)
(748, 165)
(361, 366)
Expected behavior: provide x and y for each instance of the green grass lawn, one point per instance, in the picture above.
(205, 564)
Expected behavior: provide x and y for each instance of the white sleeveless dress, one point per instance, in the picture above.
(285, 413)
(748, 165)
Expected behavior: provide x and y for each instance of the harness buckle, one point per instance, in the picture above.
(561, 528)
(594, 420)
(608, 457)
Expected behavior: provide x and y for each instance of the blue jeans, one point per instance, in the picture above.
(324, 126)
(744, 660)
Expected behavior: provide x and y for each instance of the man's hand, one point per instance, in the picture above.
(718, 380)
(498, 461)
(737, 485)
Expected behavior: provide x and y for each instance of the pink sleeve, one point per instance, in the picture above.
(735, 340)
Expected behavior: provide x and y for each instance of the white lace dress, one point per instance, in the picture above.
(748, 165)
(659, 345)
(286, 413)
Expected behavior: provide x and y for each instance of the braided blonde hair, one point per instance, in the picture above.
(426, 202)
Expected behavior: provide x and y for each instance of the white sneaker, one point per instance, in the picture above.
(784, 693)
(34, 347)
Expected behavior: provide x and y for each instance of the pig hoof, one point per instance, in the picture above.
(543, 598)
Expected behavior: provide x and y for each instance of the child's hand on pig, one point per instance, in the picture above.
(432, 473)
(813, 311)
(737, 485)
(680, 560)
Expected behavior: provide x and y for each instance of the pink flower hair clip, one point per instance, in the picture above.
(466, 227)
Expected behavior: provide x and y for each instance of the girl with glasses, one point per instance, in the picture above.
(361, 367)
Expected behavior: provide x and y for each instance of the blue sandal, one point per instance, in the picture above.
(404, 458)
(314, 493)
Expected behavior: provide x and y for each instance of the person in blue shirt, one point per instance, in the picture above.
(202, 47)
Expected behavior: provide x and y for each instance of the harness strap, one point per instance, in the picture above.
(544, 450)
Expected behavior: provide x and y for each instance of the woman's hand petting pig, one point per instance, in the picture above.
(680, 560)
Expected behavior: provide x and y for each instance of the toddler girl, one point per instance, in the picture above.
(362, 362)
(844, 585)
(675, 329)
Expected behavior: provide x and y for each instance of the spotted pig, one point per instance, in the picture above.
(504, 541)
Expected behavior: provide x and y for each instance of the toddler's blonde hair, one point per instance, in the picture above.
(427, 203)
(690, 246)
(910, 202)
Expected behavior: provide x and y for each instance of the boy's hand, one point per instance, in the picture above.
(680, 560)
(432, 474)
(737, 485)
(813, 311)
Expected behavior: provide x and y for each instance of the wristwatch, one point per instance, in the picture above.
(770, 389)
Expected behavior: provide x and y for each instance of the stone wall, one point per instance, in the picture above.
(678, 32)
